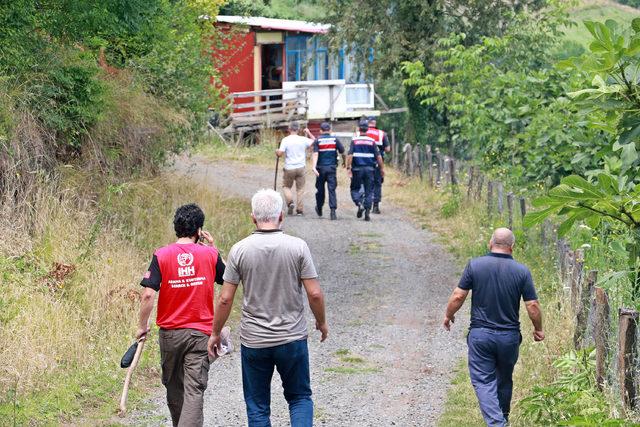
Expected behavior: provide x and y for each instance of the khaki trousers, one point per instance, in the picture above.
(185, 372)
(289, 177)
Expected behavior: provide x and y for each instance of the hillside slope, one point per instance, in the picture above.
(598, 10)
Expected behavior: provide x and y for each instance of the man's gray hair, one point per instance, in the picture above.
(294, 126)
(266, 206)
(503, 237)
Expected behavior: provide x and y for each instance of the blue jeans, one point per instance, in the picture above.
(292, 362)
(492, 357)
(362, 177)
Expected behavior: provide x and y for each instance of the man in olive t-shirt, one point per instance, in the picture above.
(276, 270)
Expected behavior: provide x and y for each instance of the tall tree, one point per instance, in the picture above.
(407, 30)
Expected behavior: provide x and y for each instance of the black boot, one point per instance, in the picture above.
(376, 208)
(360, 210)
(366, 215)
(319, 210)
(333, 215)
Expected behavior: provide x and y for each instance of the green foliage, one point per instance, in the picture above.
(51, 50)
(611, 190)
(572, 399)
(503, 101)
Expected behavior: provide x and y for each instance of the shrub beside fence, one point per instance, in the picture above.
(616, 356)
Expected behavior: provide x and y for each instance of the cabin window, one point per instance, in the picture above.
(296, 58)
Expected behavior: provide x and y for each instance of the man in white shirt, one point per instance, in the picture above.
(294, 147)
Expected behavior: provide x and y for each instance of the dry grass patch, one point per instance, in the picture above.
(70, 300)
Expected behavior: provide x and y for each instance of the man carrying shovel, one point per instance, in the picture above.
(183, 274)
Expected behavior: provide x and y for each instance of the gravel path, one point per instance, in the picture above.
(387, 360)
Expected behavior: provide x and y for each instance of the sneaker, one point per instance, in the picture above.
(319, 210)
(290, 209)
(333, 215)
(376, 208)
(366, 215)
(299, 213)
(360, 210)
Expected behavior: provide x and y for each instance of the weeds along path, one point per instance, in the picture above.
(387, 360)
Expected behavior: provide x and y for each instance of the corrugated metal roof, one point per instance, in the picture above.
(276, 24)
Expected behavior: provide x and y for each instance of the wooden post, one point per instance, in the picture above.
(418, 159)
(500, 192)
(523, 209)
(429, 156)
(470, 183)
(576, 278)
(510, 209)
(601, 329)
(394, 148)
(452, 171)
(480, 186)
(439, 165)
(489, 199)
(627, 354)
(582, 314)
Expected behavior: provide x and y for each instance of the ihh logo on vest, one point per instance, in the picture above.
(186, 269)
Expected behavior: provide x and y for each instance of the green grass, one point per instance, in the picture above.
(597, 11)
(461, 407)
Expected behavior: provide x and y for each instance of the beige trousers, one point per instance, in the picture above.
(290, 177)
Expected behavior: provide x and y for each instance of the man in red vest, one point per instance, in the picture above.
(183, 273)
(380, 137)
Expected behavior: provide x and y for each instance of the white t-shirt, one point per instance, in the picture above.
(295, 148)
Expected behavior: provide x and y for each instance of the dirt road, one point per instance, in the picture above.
(387, 361)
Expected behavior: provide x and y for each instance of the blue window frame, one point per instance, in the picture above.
(296, 47)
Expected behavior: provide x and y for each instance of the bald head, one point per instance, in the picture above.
(502, 240)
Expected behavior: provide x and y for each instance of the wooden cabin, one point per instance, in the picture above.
(279, 70)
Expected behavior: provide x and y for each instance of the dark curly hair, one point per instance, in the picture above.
(187, 220)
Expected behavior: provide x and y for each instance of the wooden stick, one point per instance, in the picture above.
(127, 380)
(275, 179)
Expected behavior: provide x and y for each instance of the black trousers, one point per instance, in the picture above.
(327, 176)
(362, 177)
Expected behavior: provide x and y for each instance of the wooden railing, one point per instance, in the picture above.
(263, 109)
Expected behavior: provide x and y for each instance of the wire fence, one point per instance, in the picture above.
(599, 322)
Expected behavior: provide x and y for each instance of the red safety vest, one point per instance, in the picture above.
(186, 292)
(376, 134)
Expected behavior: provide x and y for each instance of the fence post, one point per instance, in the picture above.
(627, 353)
(394, 148)
(582, 315)
(523, 209)
(470, 183)
(429, 155)
(500, 192)
(480, 186)
(489, 199)
(510, 209)
(576, 278)
(601, 328)
(439, 165)
(452, 171)
(417, 160)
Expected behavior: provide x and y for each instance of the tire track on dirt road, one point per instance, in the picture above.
(387, 360)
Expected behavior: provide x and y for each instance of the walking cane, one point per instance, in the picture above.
(126, 359)
(275, 179)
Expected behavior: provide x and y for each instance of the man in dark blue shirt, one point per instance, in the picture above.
(498, 282)
(325, 161)
(361, 161)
